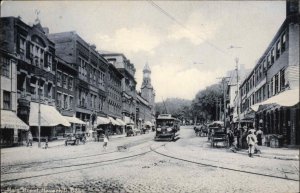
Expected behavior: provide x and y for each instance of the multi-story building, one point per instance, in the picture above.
(11, 126)
(35, 74)
(114, 97)
(144, 113)
(65, 95)
(127, 69)
(90, 84)
(272, 88)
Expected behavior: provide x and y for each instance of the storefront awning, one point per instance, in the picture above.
(121, 122)
(286, 99)
(49, 116)
(113, 121)
(74, 120)
(128, 120)
(10, 120)
(102, 121)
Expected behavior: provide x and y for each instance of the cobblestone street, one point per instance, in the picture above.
(137, 167)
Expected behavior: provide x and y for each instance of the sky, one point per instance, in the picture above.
(186, 43)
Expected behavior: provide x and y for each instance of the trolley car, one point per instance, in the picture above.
(167, 127)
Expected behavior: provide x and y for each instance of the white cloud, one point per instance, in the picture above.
(140, 38)
(170, 81)
(195, 29)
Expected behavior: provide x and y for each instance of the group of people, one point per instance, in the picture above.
(246, 138)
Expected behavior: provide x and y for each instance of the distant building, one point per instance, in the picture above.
(127, 69)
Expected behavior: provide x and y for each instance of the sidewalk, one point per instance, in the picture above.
(275, 153)
(59, 142)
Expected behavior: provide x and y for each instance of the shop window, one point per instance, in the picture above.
(6, 100)
(5, 66)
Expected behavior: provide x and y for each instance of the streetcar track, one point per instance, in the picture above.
(225, 168)
(84, 156)
(95, 164)
(64, 166)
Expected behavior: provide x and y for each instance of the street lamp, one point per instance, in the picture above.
(39, 103)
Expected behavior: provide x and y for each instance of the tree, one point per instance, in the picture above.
(205, 103)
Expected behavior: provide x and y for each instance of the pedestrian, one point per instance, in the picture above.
(244, 136)
(230, 137)
(105, 142)
(259, 134)
(251, 141)
(29, 139)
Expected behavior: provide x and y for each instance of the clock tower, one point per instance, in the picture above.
(147, 90)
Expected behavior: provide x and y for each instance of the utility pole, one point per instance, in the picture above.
(224, 100)
(217, 109)
(238, 90)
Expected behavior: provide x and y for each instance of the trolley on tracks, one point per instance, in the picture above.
(167, 127)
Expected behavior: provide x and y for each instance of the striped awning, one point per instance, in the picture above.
(10, 120)
(113, 121)
(121, 122)
(102, 121)
(50, 117)
(74, 120)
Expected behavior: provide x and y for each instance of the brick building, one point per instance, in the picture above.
(127, 69)
(35, 74)
(90, 87)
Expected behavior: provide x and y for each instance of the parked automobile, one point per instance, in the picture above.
(75, 138)
(131, 130)
(71, 139)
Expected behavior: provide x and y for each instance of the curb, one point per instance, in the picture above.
(272, 156)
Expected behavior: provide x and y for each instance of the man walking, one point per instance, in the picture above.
(251, 141)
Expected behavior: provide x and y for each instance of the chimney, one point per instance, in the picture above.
(292, 7)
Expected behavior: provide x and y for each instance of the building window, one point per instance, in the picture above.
(6, 100)
(70, 83)
(49, 61)
(5, 66)
(272, 56)
(22, 46)
(282, 79)
(277, 49)
(271, 87)
(269, 60)
(64, 81)
(66, 106)
(59, 101)
(58, 78)
(283, 42)
(276, 84)
(71, 102)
